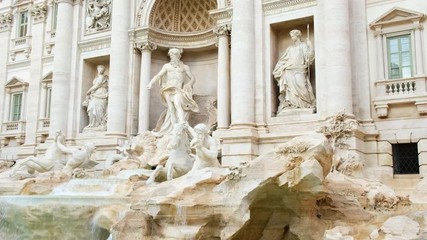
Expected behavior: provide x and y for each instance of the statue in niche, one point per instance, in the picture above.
(96, 101)
(98, 15)
(291, 73)
(176, 82)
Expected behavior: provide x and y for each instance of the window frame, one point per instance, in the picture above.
(20, 24)
(399, 36)
(12, 113)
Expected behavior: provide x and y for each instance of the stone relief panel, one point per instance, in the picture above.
(98, 15)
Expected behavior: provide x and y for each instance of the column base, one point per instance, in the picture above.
(115, 135)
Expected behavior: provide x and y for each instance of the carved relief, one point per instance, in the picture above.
(6, 22)
(145, 46)
(98, 16)
(39, 12)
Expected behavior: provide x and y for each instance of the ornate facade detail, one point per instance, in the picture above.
(39, 12)
(279, 6)
(182, 15)
(145, 46)
(98, 15)
(139, 16)
(6, 22)
(223, 29)
(222, 16)
(93, 45)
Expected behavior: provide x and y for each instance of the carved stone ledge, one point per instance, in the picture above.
(39, 12)
(222, 15)
(279, 6)
(95, 44)
(145, 46)
(6, 22)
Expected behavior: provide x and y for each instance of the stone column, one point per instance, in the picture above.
(62, 68)
(419, 50)
(5, 29)
(223, 93)
(338, 60)
(243, 67)
(119, 69)
(38, 12)
(144, 94)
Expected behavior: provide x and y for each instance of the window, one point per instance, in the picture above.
(48, 102)
(405, 158)
(16, 107)
(54, 16)
(399, 56)
(23, 24)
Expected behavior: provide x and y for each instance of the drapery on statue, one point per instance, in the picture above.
(97, 100)
(176, 92)
(291, 75)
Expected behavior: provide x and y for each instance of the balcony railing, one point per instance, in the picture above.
(398, 91)
(13, 127)
(44, 124)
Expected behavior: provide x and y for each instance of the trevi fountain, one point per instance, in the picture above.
(214, 119)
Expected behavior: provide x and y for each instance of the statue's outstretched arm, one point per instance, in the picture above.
(157, 77)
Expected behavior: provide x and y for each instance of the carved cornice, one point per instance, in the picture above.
(95, 44)
(271, 7)
(39, 12)
(223, 29)
(6, 22)
(145, 46)
(222, 15)
(181, 40)
(75, 2)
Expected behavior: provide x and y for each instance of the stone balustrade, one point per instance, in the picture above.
(400, 91)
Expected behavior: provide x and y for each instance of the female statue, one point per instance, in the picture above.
(96, 101)
(291, 75)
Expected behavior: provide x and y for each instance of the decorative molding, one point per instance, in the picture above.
(39, 12)
(145, 46)
(6, 20)
(184, 16)
(223, 29)
(95, 44)
(396, 16)
(271, 7)
(223, 15)
(140, 14)
(166, 39)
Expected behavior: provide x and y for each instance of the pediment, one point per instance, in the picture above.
(16, 82)
(47, 77)
(398, 15)
(20, 2)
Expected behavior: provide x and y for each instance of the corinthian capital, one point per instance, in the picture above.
(39, 12)
(145, 46)
(223, 29)
(6, 22)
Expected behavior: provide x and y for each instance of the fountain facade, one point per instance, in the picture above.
(216, 119)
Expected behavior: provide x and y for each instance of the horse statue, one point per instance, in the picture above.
(180, 160)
